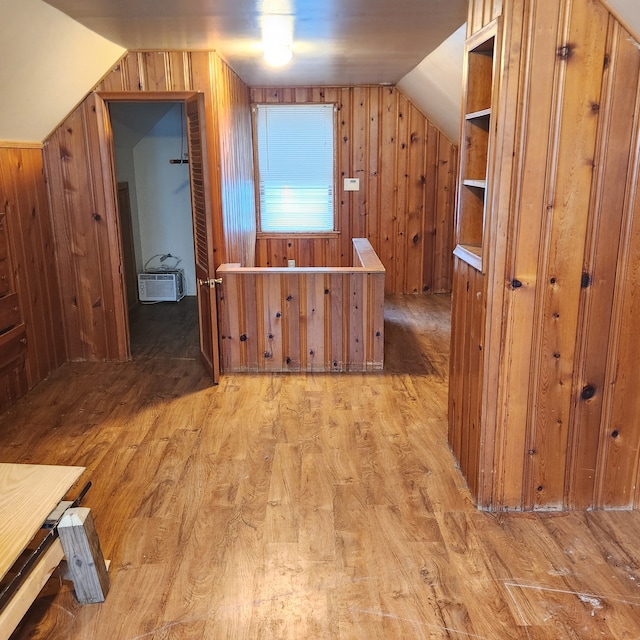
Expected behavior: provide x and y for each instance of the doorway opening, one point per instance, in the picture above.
(154, 202)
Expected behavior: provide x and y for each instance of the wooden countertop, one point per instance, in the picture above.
(28, 494)
(365, 260)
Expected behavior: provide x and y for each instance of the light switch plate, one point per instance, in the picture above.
(352, 184)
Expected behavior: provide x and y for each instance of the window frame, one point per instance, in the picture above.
(334, 232)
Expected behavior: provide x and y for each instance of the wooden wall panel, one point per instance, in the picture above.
(578, 80)
(202, 74)
(618, 455)
(112, 305)
(387, 192)
(481, 13)
(443, 204)
(297, 319)
(617, 448)
(407, 172)
(228, 135)
(416, 220)
(526, 244)
(607, 242)
(343, 158)
(619, 445)
(78, 163)
(157, 69)
(301, 321)
(65, 188)
(233, 112)
(562, 379)
(84, 212)
(466, 370)
(150, 71)
(23, 197)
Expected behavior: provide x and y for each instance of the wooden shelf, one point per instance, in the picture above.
(477, 115)
(471, 254)
(473, 190)
(478, 184)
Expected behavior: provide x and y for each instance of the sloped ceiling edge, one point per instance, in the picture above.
(435, 85)
(626, 11)
(49, 64)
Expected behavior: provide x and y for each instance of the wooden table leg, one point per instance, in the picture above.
(85, 561)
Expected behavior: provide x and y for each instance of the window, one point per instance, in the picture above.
(295, 167)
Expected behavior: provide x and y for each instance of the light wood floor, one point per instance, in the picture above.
(302, 507)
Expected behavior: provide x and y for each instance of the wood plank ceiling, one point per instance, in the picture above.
(352, 42)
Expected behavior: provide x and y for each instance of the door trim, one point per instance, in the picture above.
(107, 150)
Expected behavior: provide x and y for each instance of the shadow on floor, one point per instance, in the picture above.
(165, 330)
(413, 332)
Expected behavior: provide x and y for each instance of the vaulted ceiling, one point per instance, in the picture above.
(55, 51)
(334, 42)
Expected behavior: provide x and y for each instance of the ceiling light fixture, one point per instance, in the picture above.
(277, 39)
(278, 55)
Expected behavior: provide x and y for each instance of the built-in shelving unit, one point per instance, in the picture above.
(475, 147)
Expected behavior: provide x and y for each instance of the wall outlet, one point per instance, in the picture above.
(352, 184)
(291, 263)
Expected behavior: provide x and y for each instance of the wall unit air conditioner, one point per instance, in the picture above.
(161, 286)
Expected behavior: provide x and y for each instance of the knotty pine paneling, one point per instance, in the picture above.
(608, 244)
(295, 320)
(233, 111)
(481, 13)
(615, 394)
(602, 470)
(617, 461)
(150, 71)
(228, 133)
(466, 369)
(561, 378)
(78, 164)
(572, 136)
(84, 213)
(23, 197)
(405, 204)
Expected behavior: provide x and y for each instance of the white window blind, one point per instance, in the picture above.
(295, 167)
